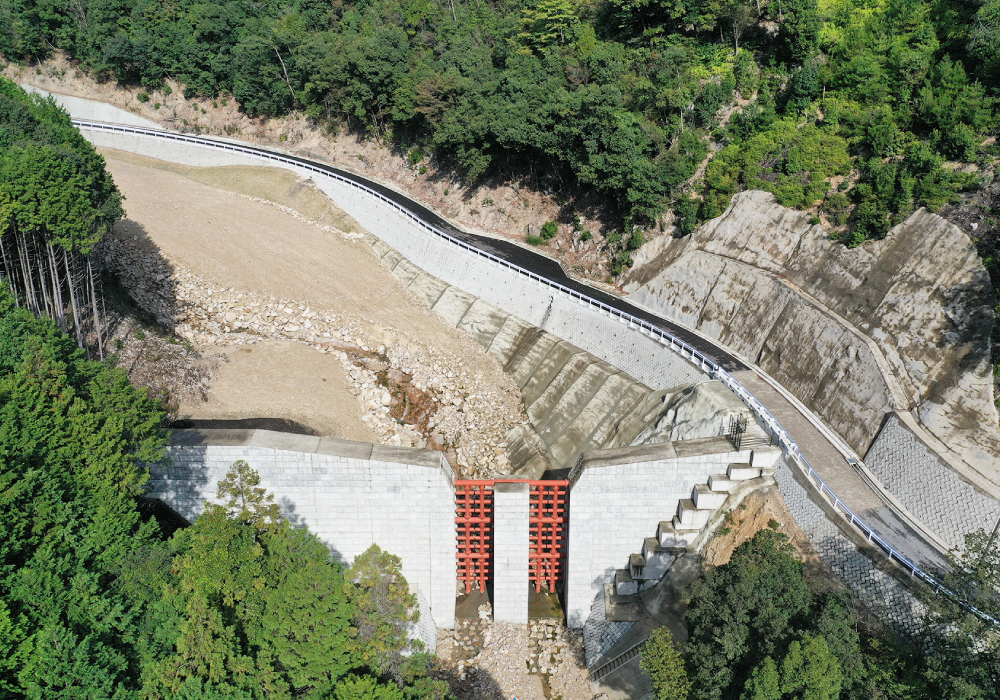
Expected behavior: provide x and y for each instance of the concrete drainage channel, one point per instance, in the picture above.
(628, 337)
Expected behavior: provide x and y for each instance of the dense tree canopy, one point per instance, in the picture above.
(51, 180)
(96, 603)
(759, 631)
(619, 95)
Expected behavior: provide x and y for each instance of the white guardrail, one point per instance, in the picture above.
(661, 336)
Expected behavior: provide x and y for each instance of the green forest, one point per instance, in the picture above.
(759, 629)
(861, 109)
(97, 600)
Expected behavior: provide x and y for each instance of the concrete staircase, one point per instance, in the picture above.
(675, 536)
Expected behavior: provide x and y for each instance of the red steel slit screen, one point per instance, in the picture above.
(546, 532)
(474, 517)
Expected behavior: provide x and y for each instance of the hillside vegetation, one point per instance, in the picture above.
(758, 629)
(857, 107)
(96, 601)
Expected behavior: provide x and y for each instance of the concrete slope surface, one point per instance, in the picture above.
(819, 447)
(901, 324)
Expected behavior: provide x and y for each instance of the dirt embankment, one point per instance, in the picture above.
(296, 319)
(767, 509)
(509, 210)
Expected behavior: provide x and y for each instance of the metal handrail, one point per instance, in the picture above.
(663, 337)
(613, 664)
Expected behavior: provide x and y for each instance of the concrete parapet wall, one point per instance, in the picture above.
(526, 301)
(351, 495)
(617, 499)
(511, 512)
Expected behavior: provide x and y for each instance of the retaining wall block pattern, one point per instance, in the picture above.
(511, 512)
(350, 504)
(577, 322)
(613, 509)
(927, 487)
(599, 635)
(883, 595)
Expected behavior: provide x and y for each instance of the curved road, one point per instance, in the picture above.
(821, 453)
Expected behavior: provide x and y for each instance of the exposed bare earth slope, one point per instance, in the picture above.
(246, 248)
(898, 324)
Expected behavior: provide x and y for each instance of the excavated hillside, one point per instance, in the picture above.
(901, 324)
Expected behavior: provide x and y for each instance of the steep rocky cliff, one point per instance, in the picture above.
(898, 324)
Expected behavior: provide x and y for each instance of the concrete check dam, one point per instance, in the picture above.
(593, 369)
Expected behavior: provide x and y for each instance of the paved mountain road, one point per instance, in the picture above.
(822, 454)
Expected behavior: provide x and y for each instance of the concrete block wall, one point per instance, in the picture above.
(540, 305)
(511, 510)
(883, 595)
(351, 495)
(617, 499)
(577, 322)
(82, 108)
(575, 401)
(926, 486)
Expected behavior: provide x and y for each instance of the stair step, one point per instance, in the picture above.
(705, 498)
(720, 482)
(658, 559)
(742, 472)
(672, 537)
(686, 530)
(624, 583)
(764, 458)
(690, 516)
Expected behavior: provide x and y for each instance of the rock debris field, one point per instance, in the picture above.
(497, 660)
(408, 393)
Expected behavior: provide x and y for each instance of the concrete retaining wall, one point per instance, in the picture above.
(576, 322)
(595, 331)
(898, 324)
(618, 499)
(926, 486)
(579, 323)
(350, 494)
(576, 401)
(82, 108)
(883, 595)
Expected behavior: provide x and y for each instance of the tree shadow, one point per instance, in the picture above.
(181, 483)
(138, 278)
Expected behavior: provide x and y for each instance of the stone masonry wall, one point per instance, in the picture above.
(351, 495)
(619, 499)
(927, 487)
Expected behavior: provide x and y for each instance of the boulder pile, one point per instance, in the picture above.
(410, 394)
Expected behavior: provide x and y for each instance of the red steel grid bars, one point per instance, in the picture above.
(474, 518)
(546, 531)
